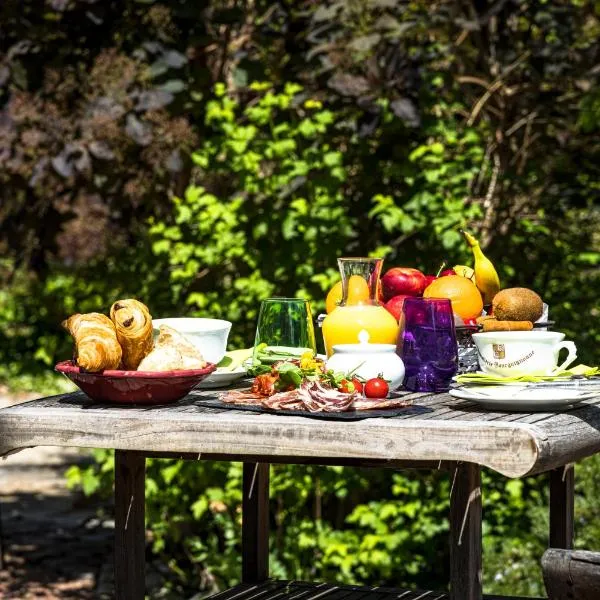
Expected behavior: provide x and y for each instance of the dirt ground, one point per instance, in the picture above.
(53, 544)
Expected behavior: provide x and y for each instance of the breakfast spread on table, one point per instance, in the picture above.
(381, 334)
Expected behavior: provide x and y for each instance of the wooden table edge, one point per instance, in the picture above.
(401, 446)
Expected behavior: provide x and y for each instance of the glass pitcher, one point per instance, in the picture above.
(359, 309)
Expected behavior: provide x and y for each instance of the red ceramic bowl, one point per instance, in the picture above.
(135, 387)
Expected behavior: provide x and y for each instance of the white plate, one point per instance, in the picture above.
(522, 399)
(221, 378)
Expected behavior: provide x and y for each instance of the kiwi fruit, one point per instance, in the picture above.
(517, 304)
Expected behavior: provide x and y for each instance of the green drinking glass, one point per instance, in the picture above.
(284, 330)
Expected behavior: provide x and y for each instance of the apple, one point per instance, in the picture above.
(429, 279)
(444, 273)
(394, 305)
(402, 280)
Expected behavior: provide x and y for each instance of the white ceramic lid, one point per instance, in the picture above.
(364, 348)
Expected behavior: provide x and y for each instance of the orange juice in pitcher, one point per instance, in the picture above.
(359, 309)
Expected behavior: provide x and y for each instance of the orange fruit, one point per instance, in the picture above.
(334, 297)
(358, 293)
(462, 292)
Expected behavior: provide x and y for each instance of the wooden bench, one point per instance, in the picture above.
(571, 574)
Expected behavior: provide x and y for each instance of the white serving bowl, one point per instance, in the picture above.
(209, 336)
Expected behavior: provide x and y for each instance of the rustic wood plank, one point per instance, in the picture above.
(1, 539)
(465, 533)
(130, 533)
(571, 574)
(562, 507)
(262, 434)
(296, 590)
(567, 437)
(310, 460)
(255, 522)
(508, 444)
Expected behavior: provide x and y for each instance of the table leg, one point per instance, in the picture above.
(255, 522)
(465, 533)
(1, 539)
(562, 504)
(130, 532)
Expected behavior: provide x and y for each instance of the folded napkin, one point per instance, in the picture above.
(480, 378)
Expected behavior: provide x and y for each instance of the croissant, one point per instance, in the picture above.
(96, 344)
(172, 352)
(133, 324)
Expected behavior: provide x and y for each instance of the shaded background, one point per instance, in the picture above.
(204, 155)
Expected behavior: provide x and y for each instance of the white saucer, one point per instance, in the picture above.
(522, 399)
(221, 378)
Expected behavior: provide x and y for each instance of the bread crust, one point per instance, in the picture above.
(96, 345)
(133, 325)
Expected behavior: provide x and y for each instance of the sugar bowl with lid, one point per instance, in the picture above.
(367, 360)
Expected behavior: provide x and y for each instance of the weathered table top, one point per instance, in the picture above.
(514, 444)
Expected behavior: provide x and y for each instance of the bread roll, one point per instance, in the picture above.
(96, 344)
(172, 352)
(133, 324)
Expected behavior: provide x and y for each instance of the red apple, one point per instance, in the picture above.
(429, 279)
(395, 304)
(446, 272)
(402, 280)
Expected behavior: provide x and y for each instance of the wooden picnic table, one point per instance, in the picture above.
(447, 433)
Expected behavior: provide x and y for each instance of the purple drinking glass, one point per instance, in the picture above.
(427, 344)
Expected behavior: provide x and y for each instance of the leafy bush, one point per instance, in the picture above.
(427, 132)
(270, 202)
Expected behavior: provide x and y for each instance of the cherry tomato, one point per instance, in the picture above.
(348, 386)
(358, 386)
(376, 388)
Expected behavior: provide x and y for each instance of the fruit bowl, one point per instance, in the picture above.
(135, 387)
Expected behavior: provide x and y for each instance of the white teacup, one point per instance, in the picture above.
(514, 353)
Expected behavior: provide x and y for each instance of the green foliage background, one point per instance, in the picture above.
(203, 156)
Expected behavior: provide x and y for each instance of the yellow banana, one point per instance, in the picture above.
(486, 278)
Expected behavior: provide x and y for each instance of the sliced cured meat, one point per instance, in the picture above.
(283, 401)
(380, 403)
(314, 397)
(321, 398)
(241, 397)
